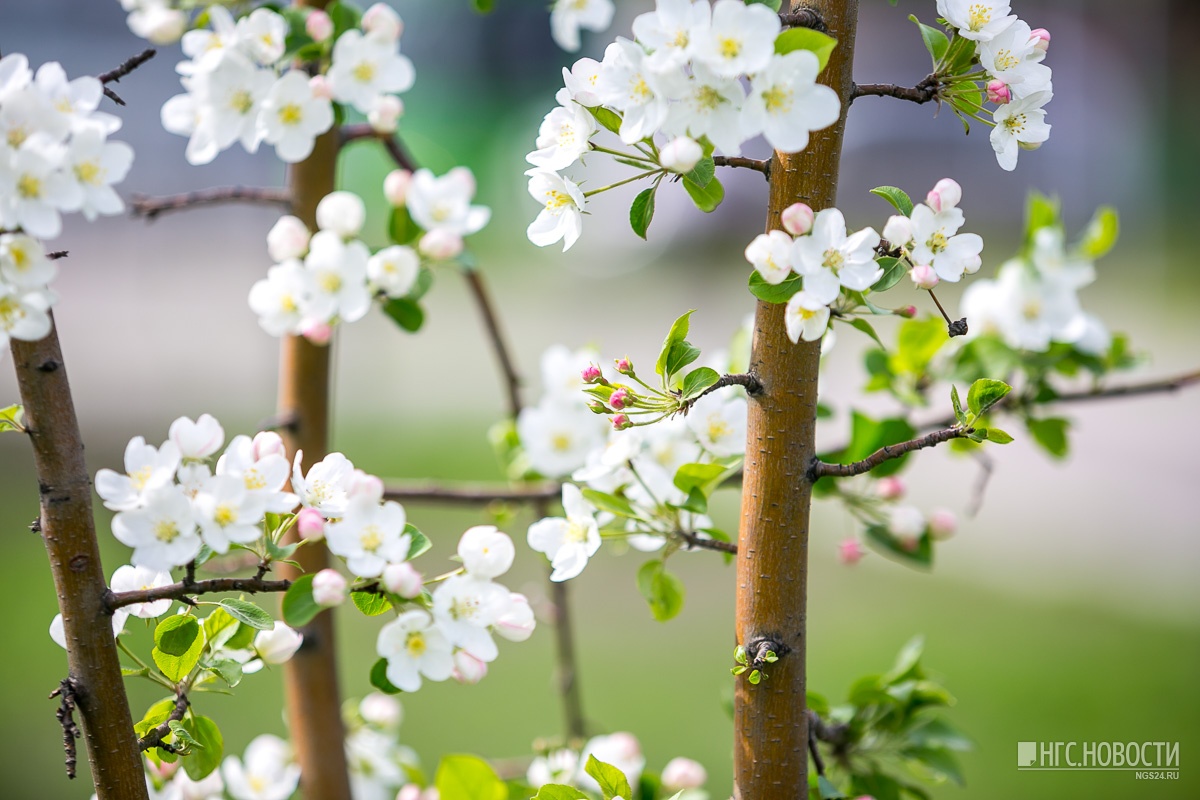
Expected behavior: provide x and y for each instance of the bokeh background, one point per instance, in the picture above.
(1067, 609)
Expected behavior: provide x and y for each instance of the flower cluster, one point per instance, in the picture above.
(685, 76)
(25, 295)
(240, 85)
(451, 634)
(928, 238)
(1016, 80)
(566, 766)
(55, 156)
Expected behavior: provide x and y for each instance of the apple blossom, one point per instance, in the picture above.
(58, 632)
(786, 102)
(155, 21)
(281, 299)
(370, 536)
(907, 524)
(517, 622)
(339, 272)
(719, 422)
(381, 710)
(310, 524)
(364, 67)
(561, 217)
(980, 20)
(829, 259)
(771, 255)
(263, 470)
(628, 84)
(37, 189)
(563, 137)
(942, 523)
(318, 25)
(394, 270)
(465, 607)
(133, 579)
(414, 646)
(444, 203)
(621, 422)
(680, 155)
(1052, 261)
(709, 105)
(196, 440)
(683, 773)
(486, 552)
(1041, 39)
(1021, 122)
(620, 749)
(395, 186)
(797, 219)
(326, 485)
(23, 313)
(672, 30)
(441, 244)
(567, 17)
(381, 21)
(1012, 58)
(287, 239)
(228, 513)
(267, 443)
(557, 766)
(740, 41)
(320, 87)
(293, 115)
(850, 552)
(568, 542)
(806, 317)
(161, 532)
(329, 588)
(317, 331)
(262, 34)
(923, 276)
(146, 467)
(580, 82)
(277, 645)
(889, 488)
(402, 579)
(266, 774)
(341, 212)
(23, 261)
(467, 668)
(945, 195)
(898, 230)
(385, 113)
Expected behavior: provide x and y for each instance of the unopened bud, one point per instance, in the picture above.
(624, 366)
(467, 668)
(310, 524)
(683, 773)
(596, 407)
(385, 113)
(287, 239)
(797, 219)
(942, 523)
(998, 92)
(320, 87)
(318, 25)
(680, 155)
(591, 374)
(395, 186)
(944, 196)
(364, 485)
(317, 332)
(1040, 37)
(620, 399)
(924, 276)
(620, 422)
(267, 443)
(908, 312)
(850, 552)
(380, 710)
(440, 244)
(329, 588)
(341, 212)
(898, 230)
(889, 488)
(381, 22)
(402, 579)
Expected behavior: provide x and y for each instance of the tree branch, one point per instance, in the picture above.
(186, 588)
(395, 148)
(745, 379)
(154, 737)
(923, 92)
(695, 541)
(151, 207)
(472, 494)
(746, 163)
(821, 469)
(126, 67)
(512, 381)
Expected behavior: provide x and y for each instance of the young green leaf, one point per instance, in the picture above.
(662, 590)
(893, 271)
(704, 171)
(611, 780)
(401, 227)
(299, 607)
(675, 341)
(959, 414)
(698, 476)
(1101, 233)
(998, 436)
(419, 542)
(370, 603)
(1051, 434)
(406, 313)
(774, 292)
(642, 211)
(774, 5)
(827, 790)
(247, 612)
(609, 119)
(379, 678)
(461, 777)
(880, 540)
(897, 197)
(935, 40)
(706, 197)
(178, 643)
(211, 747)
(698, 380)
(12, 418)
(861, 324)
(610, 503)
(819, 44)
(985, 393)
(557, 791)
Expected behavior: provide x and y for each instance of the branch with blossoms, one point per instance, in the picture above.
(152, 207)
(120, 71)
(821, 469)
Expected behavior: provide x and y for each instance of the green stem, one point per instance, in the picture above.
(619, 154)
(637, 177)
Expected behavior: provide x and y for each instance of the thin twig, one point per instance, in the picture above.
(744, 379)
(745, 163)
(65, 713)
(184, 589)
(707, 544)
(154, 737)
(54, 255)
(986, 466)
(472, 494)
(923, 92)
(126, 67)
(815, 750)
(395, 148)
(487, 312)
(821, 469)
(151, 207)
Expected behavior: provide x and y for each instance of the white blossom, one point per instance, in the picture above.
(710, 105)
(128, 578)
(364, 67)
(228, 513)
(465, 607)
(937, 243)
(561, 217)
(581, 82)
(486, 552)
(567, 17)
(829, 259)
(806, 317)
(563, 137)
(369, 536)
(1021, 122)
(281, 299)
(277, 645)
(444, 203)
(980, 20)
(94, 164)
(196, 440)
(568, 542)
(741, 39)
(23, 313)
(267, 773)
(719, 422)
(414, 647)
(630, 86)
(394, 270)
(339, 271)
(557, 438)
(672, 30)
(162, 532)
(146, 467)
(293, 116)
(771, 255)
(326, 485)
(786, 102)
(1013, 57)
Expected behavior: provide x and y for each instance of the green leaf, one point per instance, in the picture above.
(345, 16)
(299, 607)
(662, 590)
(155, 715)
(1040, 212)
(701, 174)
(419, 542)
(917, 344)
(1099, 236)
(607, 118)
(998, 436)
(676, 352)
(939, 733)
(183, 739)
(897, 197)
(959, 414)
(401, 227)
(204, 761)
(379, 678)
(706, 197)
(178, 643)
(819, 44)
(698, 380)
(406, 313)
(893, 271)
(881, 541)
(985, 393)
(828, 790)
(247, 612)
(935, 40)
(228, 670)
(696, 502)
(557, 791)
(940, 761)
(483, 6)
(861, 324)
(774, 292)
(12, 418)
(642, 211)
(370, 603)
(612, 781)
(130, 672)
(463, 777)
(906, 661)
(1051, 434)
(698, 476)
(610, 503)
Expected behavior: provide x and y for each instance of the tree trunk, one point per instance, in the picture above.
(311, 677)
(69, 531)
(771, 731)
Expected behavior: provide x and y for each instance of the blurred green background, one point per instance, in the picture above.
(1068, 609)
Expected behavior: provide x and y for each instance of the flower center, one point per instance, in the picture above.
(10, 313)
(464, 607)
(29, 187)
(1031, 310)
(225, 515)
(139, 477)
(166, 530)
(1015, 124)
(681, 39)
(330, 282)
(556, 201)
(708, 98)
(16, 136)
(834, 259)
(441, 212)
(254, 480)
(778, 99)
(730, 47)
(639, 91)
(241, 102)
(291, 114)
(370, 538)
(978, 15)
(937, 242)
(89, 172)
(560, 442)
(1006, 60)
(576, 533)
(364, 72)
(415, 644)
(566, 136)
(718, 428)
(287, 304)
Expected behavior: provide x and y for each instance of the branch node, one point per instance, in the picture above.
(804, 18)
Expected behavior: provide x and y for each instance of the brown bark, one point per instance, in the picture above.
(311, 676)
(69, 532)
(771, 728)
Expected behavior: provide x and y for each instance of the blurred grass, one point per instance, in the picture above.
(1021, 669)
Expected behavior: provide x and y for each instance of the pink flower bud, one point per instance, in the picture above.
(597, 407)
(924, 276)
(517, 623)
(440, 244)
(385, 113)
(624, 746)
(329, 588)
(591, 374)
(318, 25)
(320, 87)
(364, 485)
(163, 770)
(998, 92)
(380, 710)
(797, 219)
(942, 523)
(683, 773)
(395, 186)
(624, 366)
(620, 422)
(850, 552)
(944, 196)
(467, 668)
(402, 579)
(1040, 37)
(317, 332)
(310, 524)
(287, 239)
(268, 443)
(889, 488)
(908, 312)
(620, 399)
(381, 22)
(409, 791)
